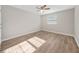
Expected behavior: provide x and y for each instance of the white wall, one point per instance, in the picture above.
(77, 24)
(0, 27)
(18, 22)
(65, 22)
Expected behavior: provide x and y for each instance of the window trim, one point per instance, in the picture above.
(53, 19)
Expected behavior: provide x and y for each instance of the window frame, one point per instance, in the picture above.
(52, 19)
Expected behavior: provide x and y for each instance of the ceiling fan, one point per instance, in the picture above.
(43, 7)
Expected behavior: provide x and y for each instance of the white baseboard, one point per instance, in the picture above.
(18, 35)
(60, 33)
(76, 39)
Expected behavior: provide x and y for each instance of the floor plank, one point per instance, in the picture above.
(42, 42)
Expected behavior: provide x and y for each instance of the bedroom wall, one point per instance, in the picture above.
(65, 22)
(18, 22)
(0, 27)
(77, 24)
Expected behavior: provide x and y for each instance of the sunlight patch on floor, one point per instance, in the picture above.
(20, 48)
(14, 49)
(26, 47)
(36, 41)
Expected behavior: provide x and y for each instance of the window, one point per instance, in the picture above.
(52, 19)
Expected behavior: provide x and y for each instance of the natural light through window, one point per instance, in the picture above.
(25, 46)
(36, 41)
(52, 19)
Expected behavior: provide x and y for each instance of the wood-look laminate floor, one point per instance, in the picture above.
(41, 42)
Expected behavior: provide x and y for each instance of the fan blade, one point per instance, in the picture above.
(42, 7)
(46, 8)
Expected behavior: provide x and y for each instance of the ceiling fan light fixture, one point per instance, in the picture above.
(42, 9)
